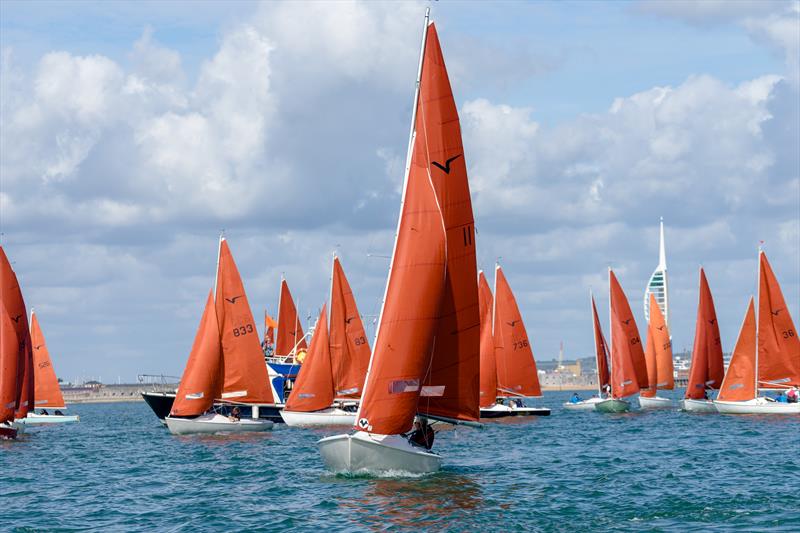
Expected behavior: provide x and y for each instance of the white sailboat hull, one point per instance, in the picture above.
(363, 452)
(501, 411)
(698, 406)
(34, 419)
(612, 405)
(583, 405)
(655, 402)
(215, 423)
(332, 416)
(757, 406)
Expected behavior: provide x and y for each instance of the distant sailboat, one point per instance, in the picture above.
(226, 364)
(515, 368)
(628, 368)
(47, 390)
(707, 368)
(331, 380)
(290, 341)
(601, 359)
(22, 373)
(766, 357)
(427, 348)
(658, 358)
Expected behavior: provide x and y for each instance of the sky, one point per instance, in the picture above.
(132, 133)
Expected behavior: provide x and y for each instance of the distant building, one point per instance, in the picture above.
(657, 286)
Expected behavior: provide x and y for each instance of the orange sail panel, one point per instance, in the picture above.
(9, 361)
(707, 368)
(290, 331)
(601, 351)
(202, 378)
(245, 369)
(665, 372)
(740, 381)
(488, 379)
(349, 349)
(12, 300)
(516, 368)
(628, 368)
(778, 342)
(453, 383)
(410, 314)
(46, 389)
(650, 361)
(269, 330)
(313, 389)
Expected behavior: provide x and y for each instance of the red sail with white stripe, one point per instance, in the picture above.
(245, 369)
(46, 388)
(778, 342)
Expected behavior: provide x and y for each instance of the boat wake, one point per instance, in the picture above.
(383, 474)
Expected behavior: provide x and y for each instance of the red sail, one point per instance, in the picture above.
(488, 393)
(410, 315)
(707, 368)
(269, 330)
(778, 342)
(600, 351)
(452, 387)
(740, 381)
(11, 296)
(9, 361)
(47, 390)
(245, 369)
(650, 361)
(202, 379)
(349, 349)
(516, 368)
(290, 331)
(313, 389)
(628, 368)
(662, 376)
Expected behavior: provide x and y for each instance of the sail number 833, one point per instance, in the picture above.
(243, 330)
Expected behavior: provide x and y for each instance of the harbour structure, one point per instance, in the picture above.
(657, 285)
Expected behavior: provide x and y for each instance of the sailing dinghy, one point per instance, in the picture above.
(766, 355)
(516, 377)
(226, 365)
(427, 348)
(17, 393)
(707, 369)
(601, 355)
(290, 341)
(628, 368)
(47, 391)
(658, 358)
(327, 391)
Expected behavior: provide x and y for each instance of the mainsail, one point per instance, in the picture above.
(46, 388)
(658, 353)
(628, 368)
(516, 367)
(12, 300)
(488, 373)
(349, 349)
(9, 361)
(290, 338)
(778, 343)
(245, 369)
(707, 368)
(600, 351)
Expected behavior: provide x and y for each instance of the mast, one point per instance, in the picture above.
(610, 336)
(596, 353)
(757, 313)
(216, 273)
(406, 173)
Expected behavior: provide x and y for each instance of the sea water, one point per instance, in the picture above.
(119, 469)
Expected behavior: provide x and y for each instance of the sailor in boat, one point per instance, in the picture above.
(575, 398)
(236, 415)
(44, 412)
(422, 435)
(792, 395)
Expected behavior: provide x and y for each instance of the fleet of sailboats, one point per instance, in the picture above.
(448, 348)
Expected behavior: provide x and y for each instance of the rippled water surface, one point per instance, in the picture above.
(119, 469)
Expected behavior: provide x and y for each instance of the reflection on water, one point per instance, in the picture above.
(416, 502)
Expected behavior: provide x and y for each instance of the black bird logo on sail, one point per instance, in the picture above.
(233, 300)
(446, 166)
